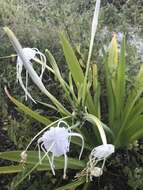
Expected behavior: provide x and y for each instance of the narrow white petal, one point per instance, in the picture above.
(26, 84)
(42, 147)
(53, 161)
(24, 88)
(65, 166)
(80, 136)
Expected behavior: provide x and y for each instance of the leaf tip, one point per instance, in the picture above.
(7, 92)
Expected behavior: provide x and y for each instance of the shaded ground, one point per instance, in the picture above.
(5, 145)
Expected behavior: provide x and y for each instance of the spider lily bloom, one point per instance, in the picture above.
(103, 151)
(32, 73)
(57, 141)
(30, 54)
(99, 153)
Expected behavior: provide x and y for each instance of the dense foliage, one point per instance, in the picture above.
(122, 91)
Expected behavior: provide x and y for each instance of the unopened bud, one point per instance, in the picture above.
(96, 172)
(23, 157)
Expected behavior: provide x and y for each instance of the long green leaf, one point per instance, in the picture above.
(121, 80)
(72, 185)
(132, 99)
(135, 126)
(10, 169)
(57, 73)
(96, 89)
(72, 61)
(28, 111)
(34, 162)
(76, 70)
(132, 131)
(110, 95)
(19, 168)
(33, 159)
(134, 94)
(137, 135)
(137, 109)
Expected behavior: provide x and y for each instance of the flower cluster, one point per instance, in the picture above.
(56, 137)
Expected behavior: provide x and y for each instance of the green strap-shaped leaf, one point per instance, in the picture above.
(136, 135)
(19, 168)
(33, 159)
(76, 70)
(133, 131)
(72, 61)
(111, 77)
(10, 169)
(121, 79)
(33, 162)
(110, 95)
(134, 96)
(136, 111)
(96, 89)
(72, 185)
(28, 111)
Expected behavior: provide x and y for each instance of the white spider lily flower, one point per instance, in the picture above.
(32, 73)
(30, 54)
(60, 138)
(99, 153)
(55, 140)
(103, 151)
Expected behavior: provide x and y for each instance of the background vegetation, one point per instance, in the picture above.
(37, 23)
